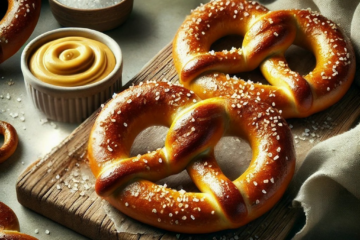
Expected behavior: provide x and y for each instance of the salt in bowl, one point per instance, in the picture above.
(67, 13)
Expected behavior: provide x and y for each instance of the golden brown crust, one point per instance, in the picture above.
(17, 25)
(195, 127)
(267, 35)
(10, 140)
(9, 225)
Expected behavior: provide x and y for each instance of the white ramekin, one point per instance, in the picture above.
(100, 19)
(71, 104)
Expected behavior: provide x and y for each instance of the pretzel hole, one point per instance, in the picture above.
(255, 76)
(2, 139)
(300, 60)
(179, 181)
(227, 42)
(3, 8)
(149, 139)
(233, 154)
(230, 41)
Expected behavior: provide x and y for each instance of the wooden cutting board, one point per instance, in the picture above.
(60, 185)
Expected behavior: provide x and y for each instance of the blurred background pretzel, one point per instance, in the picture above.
(9, 225)
(267, 35)
(129, 183)
(18, 20)
(10, 140)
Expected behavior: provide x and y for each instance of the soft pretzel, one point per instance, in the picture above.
(10, 140)
(17, 24)
(9, 225)
(267, 35)
(195, 128)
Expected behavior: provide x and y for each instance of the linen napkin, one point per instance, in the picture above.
(330, 193)
(330, 174)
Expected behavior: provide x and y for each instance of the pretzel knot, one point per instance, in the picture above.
(267, 35)
(129, 183)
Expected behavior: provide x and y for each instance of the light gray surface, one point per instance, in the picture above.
(150, 27)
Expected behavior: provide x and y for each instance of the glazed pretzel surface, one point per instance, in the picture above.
(10, 140)
(267, 35)
(9, 225)
(195, 127)
(17, 24)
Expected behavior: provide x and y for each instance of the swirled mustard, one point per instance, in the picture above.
(72, 61)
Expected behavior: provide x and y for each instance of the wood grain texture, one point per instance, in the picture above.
(60, 185)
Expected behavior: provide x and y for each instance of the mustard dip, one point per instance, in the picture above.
(72, 61)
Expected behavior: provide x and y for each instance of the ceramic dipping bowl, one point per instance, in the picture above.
(75, 103)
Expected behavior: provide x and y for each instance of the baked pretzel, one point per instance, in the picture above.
(9, 225)
(267, 35)
(195, 127)
(17, 21)
(10, 140)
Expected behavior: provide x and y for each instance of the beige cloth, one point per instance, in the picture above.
(330, 193)
(330, 174)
